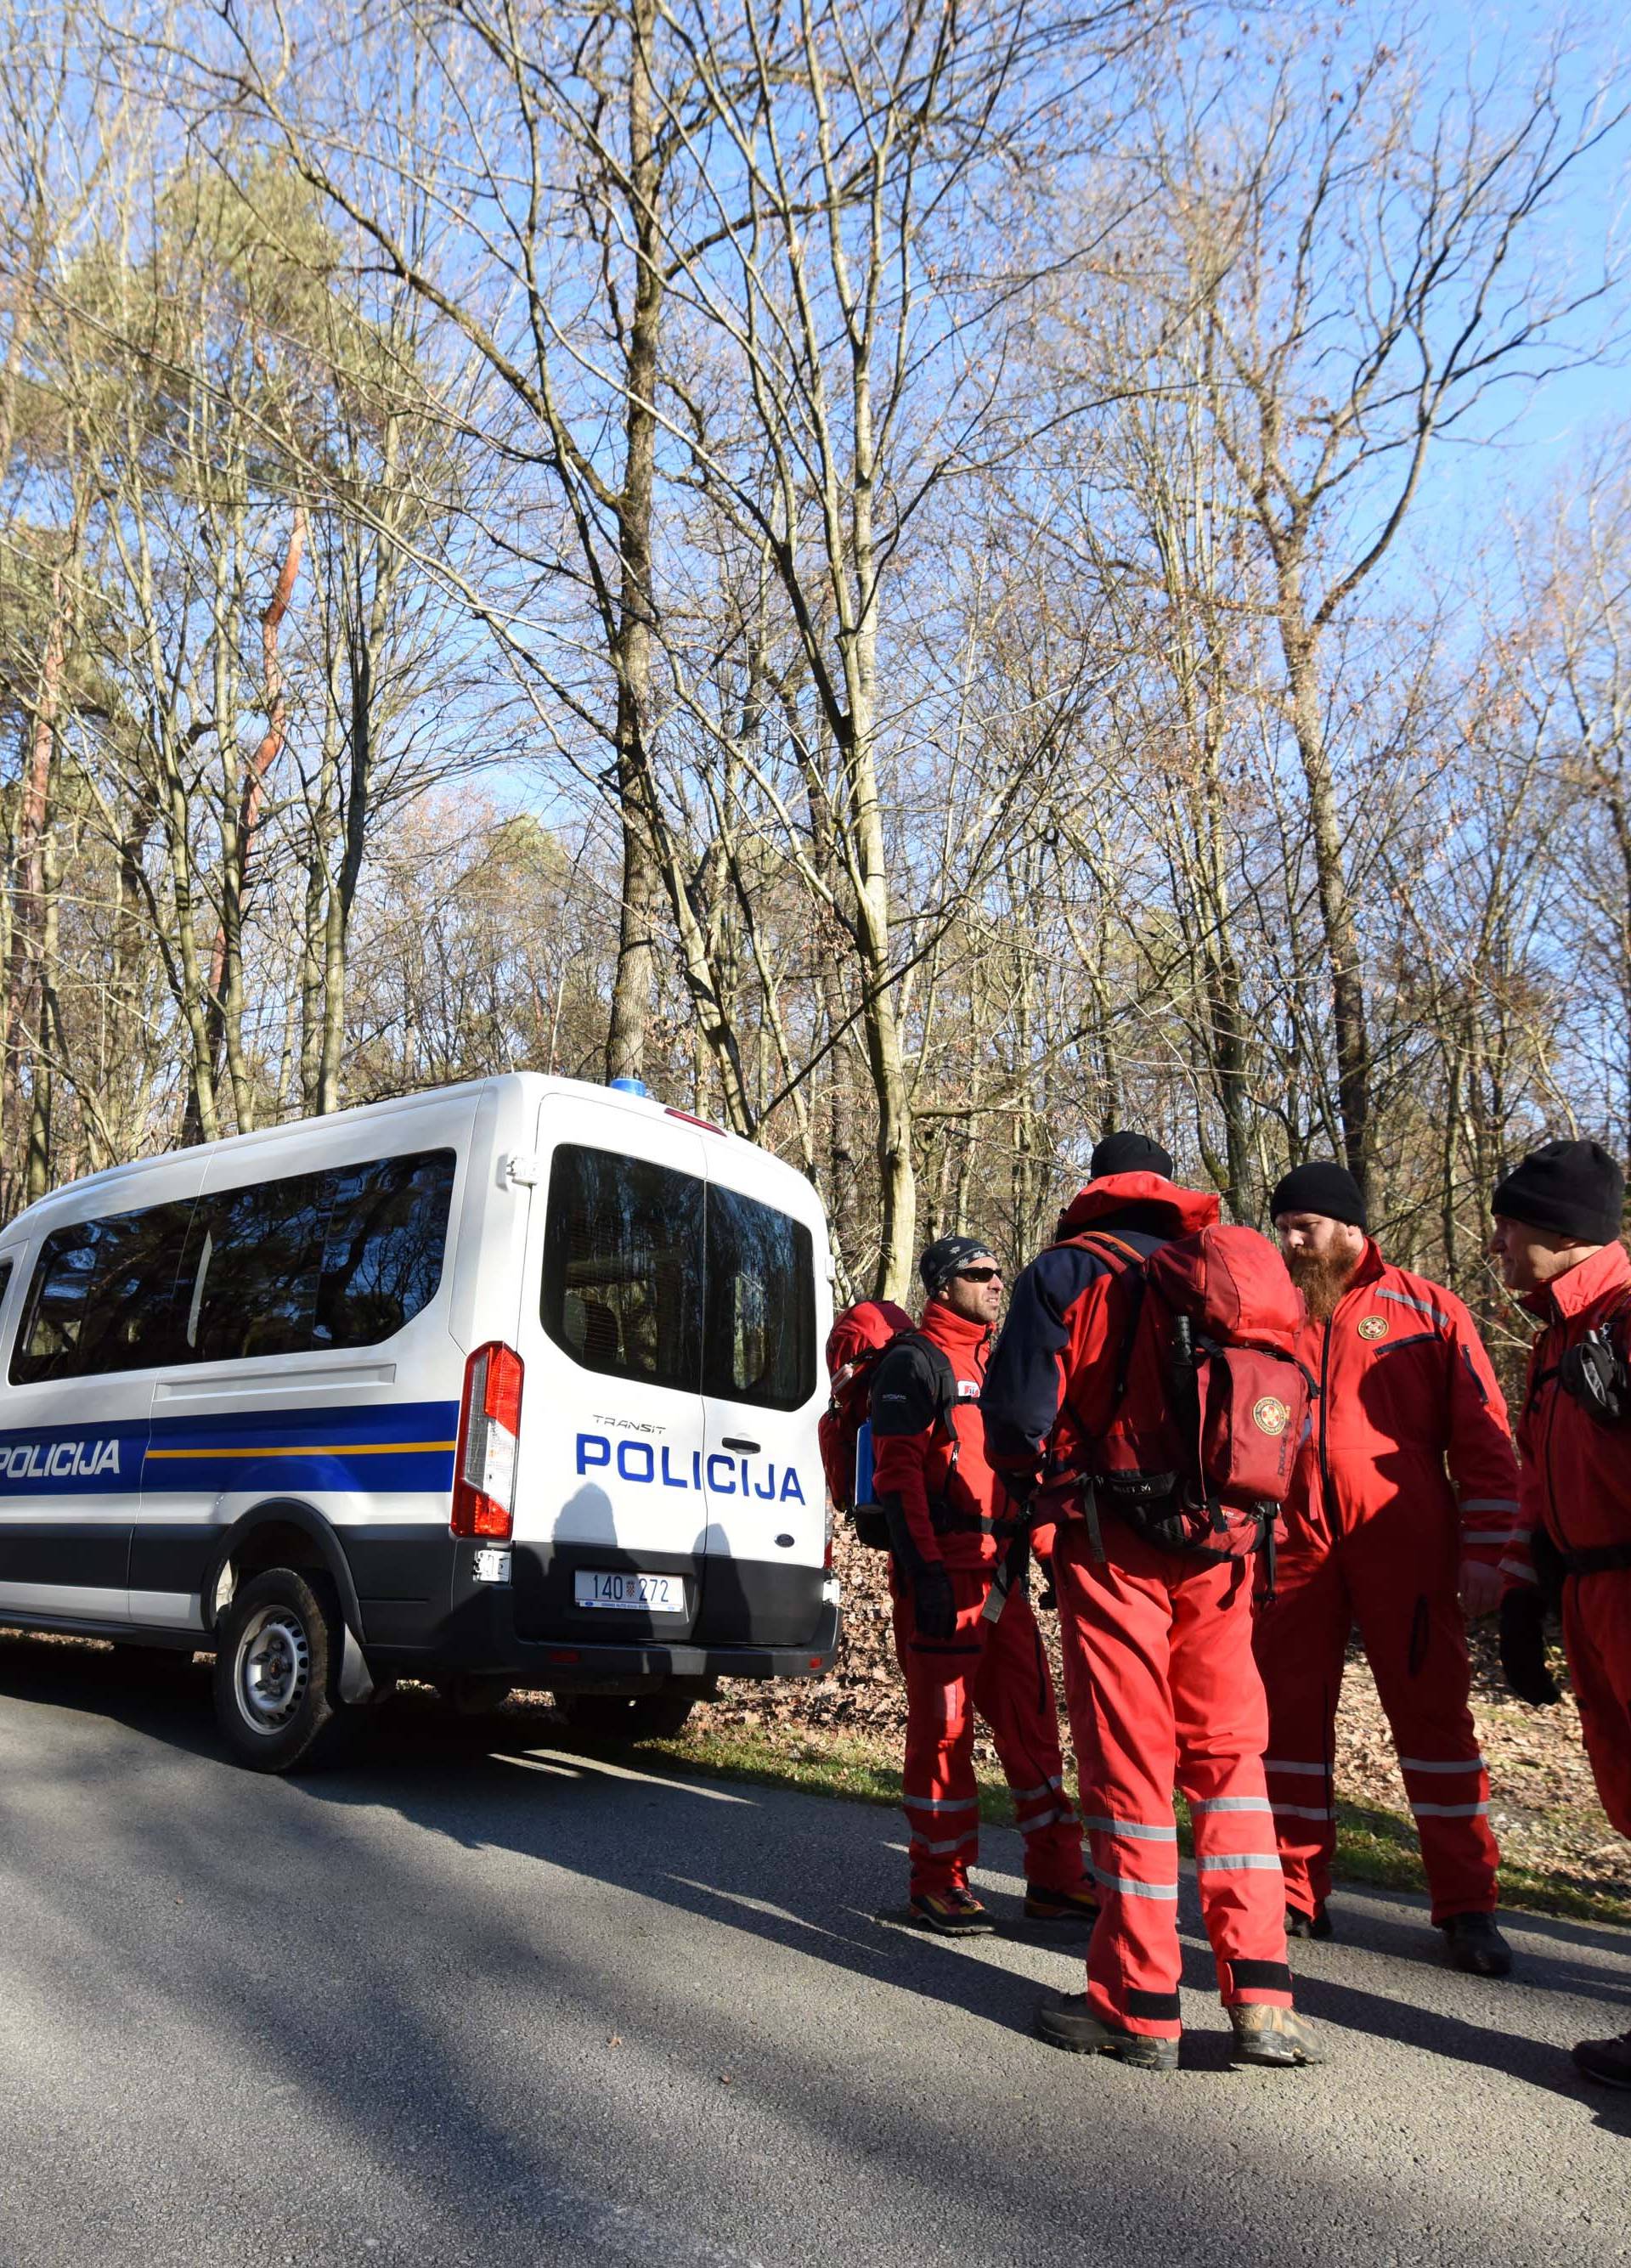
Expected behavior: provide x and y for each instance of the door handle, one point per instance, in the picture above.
(747, 1449)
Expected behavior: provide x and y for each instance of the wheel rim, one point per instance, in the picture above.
(271, 1668)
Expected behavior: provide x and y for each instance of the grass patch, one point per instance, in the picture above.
(1372, 1846)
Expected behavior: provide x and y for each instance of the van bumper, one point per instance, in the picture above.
(480, 1635)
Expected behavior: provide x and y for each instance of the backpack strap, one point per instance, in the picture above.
(1123, 1260)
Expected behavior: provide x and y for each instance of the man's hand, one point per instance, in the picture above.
(933, 1603)
(1524, 1647)
(1481, 1587)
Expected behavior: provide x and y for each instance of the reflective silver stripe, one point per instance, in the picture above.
(1489, 1504)
(1043, 1819)
(1052, 1787)
(1281, 1763)
(1129, 1889)
(1237, 1862)
(1423, 1764)
(1422, 1306)
(1448, 1810)
(1134, 1829)
(939, 1802)
(1519, 1572)
(1303, 1811)
(1485, 1536)
(938, 1850)
(1230, 1803)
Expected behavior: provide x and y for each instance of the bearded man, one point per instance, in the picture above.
(1405, 1497)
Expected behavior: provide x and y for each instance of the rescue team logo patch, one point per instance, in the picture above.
(1372, 1326)
(1271, 1416)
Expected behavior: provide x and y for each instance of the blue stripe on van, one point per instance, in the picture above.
(377, 1447)
(383, 1446)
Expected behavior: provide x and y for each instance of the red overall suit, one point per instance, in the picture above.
(1577, 1485)
(1376, 1530)
(1159, 1675)
(958, 1517)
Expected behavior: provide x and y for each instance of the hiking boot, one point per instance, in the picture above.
(1607, 2061)
(1473, 1943)
(1063, 2021)
(954, 1913)
(1079, 1904)
(1272, 2036)
(1299, 1924)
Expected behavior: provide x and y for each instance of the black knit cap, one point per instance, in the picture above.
(1129, 1153)
(1573, 1189)
(941, 1262)
(1322, 1187)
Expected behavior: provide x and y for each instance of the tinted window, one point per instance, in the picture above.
(104, 1297)
(622, 1267)
(337, 1259)
(761, 1276)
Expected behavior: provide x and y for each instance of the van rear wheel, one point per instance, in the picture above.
(626, 1716)
(277, 1671)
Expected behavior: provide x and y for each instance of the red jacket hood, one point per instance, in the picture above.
(1188, 1210)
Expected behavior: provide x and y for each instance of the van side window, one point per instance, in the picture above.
(337, 1259)
(104, 1297)
(760, 1339)
(623, 1261)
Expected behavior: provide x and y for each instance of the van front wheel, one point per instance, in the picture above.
(278, 1670)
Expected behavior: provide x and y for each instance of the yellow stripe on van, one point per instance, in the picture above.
(316, 1449)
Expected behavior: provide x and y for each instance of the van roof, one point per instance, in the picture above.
(366, 1112)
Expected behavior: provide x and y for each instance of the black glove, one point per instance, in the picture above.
(1048, 1596)
(1592, 1375)
(1524, 1647)
(934, 1602)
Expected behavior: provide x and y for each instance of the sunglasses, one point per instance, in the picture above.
(979, 1275)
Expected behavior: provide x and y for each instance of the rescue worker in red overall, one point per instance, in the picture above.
(1403, 1504)
(1159, 1677)
(950, 1523)
(1556, 1237)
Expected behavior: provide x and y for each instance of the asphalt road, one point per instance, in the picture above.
(464, 2004)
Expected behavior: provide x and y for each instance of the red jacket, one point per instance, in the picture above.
(1576, 1474)
(958, 1512)
(1052, 1388)
(1406, 1390)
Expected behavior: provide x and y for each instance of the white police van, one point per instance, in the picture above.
(512, 1383)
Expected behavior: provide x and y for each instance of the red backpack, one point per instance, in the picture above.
(1211, 1402)
(855, 1345)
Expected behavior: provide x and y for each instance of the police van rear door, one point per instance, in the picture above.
(610, 1501)
(766, 1303)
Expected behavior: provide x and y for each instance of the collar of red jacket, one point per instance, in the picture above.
(950, 1331)
(1371, 1265)
(1606, 1270)
(1188, 1209)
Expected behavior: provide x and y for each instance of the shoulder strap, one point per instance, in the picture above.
(1123, 1260)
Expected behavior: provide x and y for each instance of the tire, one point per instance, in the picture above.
(468, 1694)
(626, 1716)
(277, 1671)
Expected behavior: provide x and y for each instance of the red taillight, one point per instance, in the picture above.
(490, 1426)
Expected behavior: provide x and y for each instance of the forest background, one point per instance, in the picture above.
(928, 578)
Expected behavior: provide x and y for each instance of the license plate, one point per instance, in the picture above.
(651, 1594)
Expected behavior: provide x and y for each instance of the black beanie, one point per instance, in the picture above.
(941, 1262)
(1129, 1153)
(1574, 1188)
(1322, 1186)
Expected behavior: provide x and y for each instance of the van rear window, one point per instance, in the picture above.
(622, 1267)
(656, 1275)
